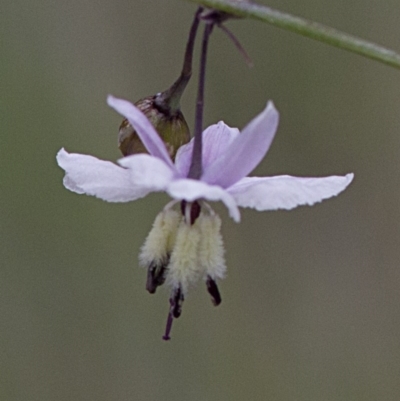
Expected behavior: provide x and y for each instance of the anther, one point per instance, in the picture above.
(177, 303)
(213, 290)
(155, 276)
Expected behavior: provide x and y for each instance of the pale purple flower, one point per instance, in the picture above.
(180, 249)
(228, 157)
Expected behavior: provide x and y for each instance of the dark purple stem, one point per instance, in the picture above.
(168, 328)
(213, 290)
(187, 63)
(196, 165)
(168, 101)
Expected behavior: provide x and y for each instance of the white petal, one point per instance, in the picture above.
(286, 192)
(216, 139)
(246, 151)
(143, 127)
(148, 171)
(190, 190)
(103, 179)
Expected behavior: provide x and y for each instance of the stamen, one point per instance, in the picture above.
(213, 290)
(156, 276)
(178, 301)
(211, 248)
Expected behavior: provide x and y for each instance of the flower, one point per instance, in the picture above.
(184, 246)
(228, 157)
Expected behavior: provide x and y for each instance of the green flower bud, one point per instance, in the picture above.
(163, 109)
(166, 118)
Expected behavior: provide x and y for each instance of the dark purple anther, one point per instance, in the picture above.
(213, 290)
(177, 305)
(156, 276)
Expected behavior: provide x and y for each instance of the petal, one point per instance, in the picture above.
(143, 127)
(286, 192)
(88, 175)
(246, 151)
(147, 171)
(216, 139)
(183, 158)
(190, 190)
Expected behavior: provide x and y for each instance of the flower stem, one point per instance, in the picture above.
(172, 96)
(314, 30)
(236, 42)
(187, 63)
(196, 169)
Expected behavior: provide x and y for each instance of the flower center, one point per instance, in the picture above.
(181, 248)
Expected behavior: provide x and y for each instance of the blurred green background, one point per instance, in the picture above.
(310, 306)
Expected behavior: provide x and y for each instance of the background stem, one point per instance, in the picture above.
(307, 28)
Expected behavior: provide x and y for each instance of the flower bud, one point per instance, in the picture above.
(164, 113)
